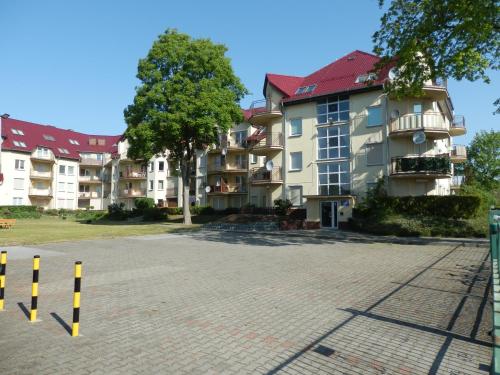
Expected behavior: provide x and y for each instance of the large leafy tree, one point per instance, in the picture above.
(430, 39)
(483, 160)
(188, 95)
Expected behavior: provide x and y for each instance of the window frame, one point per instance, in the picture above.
(291, 168)
(291, 127)
(329, 139)
(372, 107)
(300, 188)
(162, 187)
(63, 168)
(329, 117)
(368, 164)
(18, 163)
(331, 171)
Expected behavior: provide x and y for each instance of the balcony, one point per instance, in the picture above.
(42, 158)
(432, 123)
(436, 90)
(263, 143)
(421, 166)
(458, 126)
(39, 175)
(89, 195)
(132, 193)
(458, 154)
(457, 182)
(230, 144)
(227, 168)
(225, 188)
(172, 192)
(132, 175)
(42, 193)
(263, 111)
(91, 162)
(90, 179)
(261, 176)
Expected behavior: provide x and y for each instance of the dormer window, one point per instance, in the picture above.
(74, 142)
(362, 78)
(63, 151)
(101, 142)
(48, 137)
(92, 141)
(19, 143)
(17, 131)
(305, 89)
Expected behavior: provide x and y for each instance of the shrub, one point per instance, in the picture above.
(142, 203)
(116, 211)
(174, 210)
(281, 206)
(154, 214)
(201, 210)
(20, 212)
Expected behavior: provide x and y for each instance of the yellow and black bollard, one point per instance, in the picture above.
(34, 288)
(76, 299)
(3, 269)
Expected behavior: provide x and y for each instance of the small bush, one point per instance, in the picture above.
(174, 210)
(20, 212)
(281, 206)
(154, 214)
(116, 211)
(142, 203)
(201, 210)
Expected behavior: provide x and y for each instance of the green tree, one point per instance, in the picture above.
(451, 38)
(483, 160)
(188, 95)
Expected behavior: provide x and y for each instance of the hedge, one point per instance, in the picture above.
(448, 206)
(20, 212)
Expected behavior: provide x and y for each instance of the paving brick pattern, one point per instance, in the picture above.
(229, 303)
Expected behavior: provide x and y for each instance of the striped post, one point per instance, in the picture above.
(76, 299)
(34, 288)
(3, 269)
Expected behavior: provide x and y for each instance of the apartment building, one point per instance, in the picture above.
(323, 140)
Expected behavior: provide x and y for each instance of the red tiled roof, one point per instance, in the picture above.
(34, 136)
(339, 76)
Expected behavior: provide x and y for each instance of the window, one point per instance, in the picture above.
(375, 154)
(98, 156)
(92, 141)
(295, 195)
(83, 172)
(17, 131)
(160, 185)
(240, 161)
(305, 89)
(42, 152)
(84, 188)
(62, 169)
(240, 137)
(333, 142)
(69, 203)
(74, 142)
(71, 170)
(19, 143)
(417, 108)
(61, 187)
(295, 127)
(151, 166)
(362, 78)
(17, 201)
(334, 178)
(295, 161)
(19, 183)
(375, 116)
(71, 187)
(48, 137)
(151, 184)
(19, 165)
(333, 109)
(161, 166)
(101, 142)
(63, 150)
(253, 159)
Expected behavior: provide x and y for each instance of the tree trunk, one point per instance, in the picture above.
(186, 174)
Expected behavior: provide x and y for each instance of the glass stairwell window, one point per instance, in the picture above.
(332, 109)
(333, 142)
(334, 178)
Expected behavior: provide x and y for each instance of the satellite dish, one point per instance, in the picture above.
(224, 151)
(418, 137)
(269, 165)
(208, 189)
(393, 73)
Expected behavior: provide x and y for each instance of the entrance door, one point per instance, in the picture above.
(329, 217)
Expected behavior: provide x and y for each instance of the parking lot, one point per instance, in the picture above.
(228, 303)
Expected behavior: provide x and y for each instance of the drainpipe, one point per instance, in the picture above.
(283, 160)
(388, 164)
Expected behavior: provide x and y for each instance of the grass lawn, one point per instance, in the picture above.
(54, 229)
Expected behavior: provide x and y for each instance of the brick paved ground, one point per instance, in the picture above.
(222, 303)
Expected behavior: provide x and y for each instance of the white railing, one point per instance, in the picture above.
(47, 192)
(44, 174)
(90, 178)
(414, 121)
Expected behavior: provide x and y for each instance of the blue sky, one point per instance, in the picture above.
(72, 64)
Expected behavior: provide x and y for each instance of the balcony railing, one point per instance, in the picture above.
(458, 152)
(39, 174)
(89, 194)
(133, 174)
(172, 192)
(262, 175)
(228, 188)
(90, 178)
(263, 106)
(421, 165)
(266, 140)
(92, 162)
(228, 167)
(458, 125)
(47, 192)
(457, 181)
(127, 193)
(49, 158)
(419, 121)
